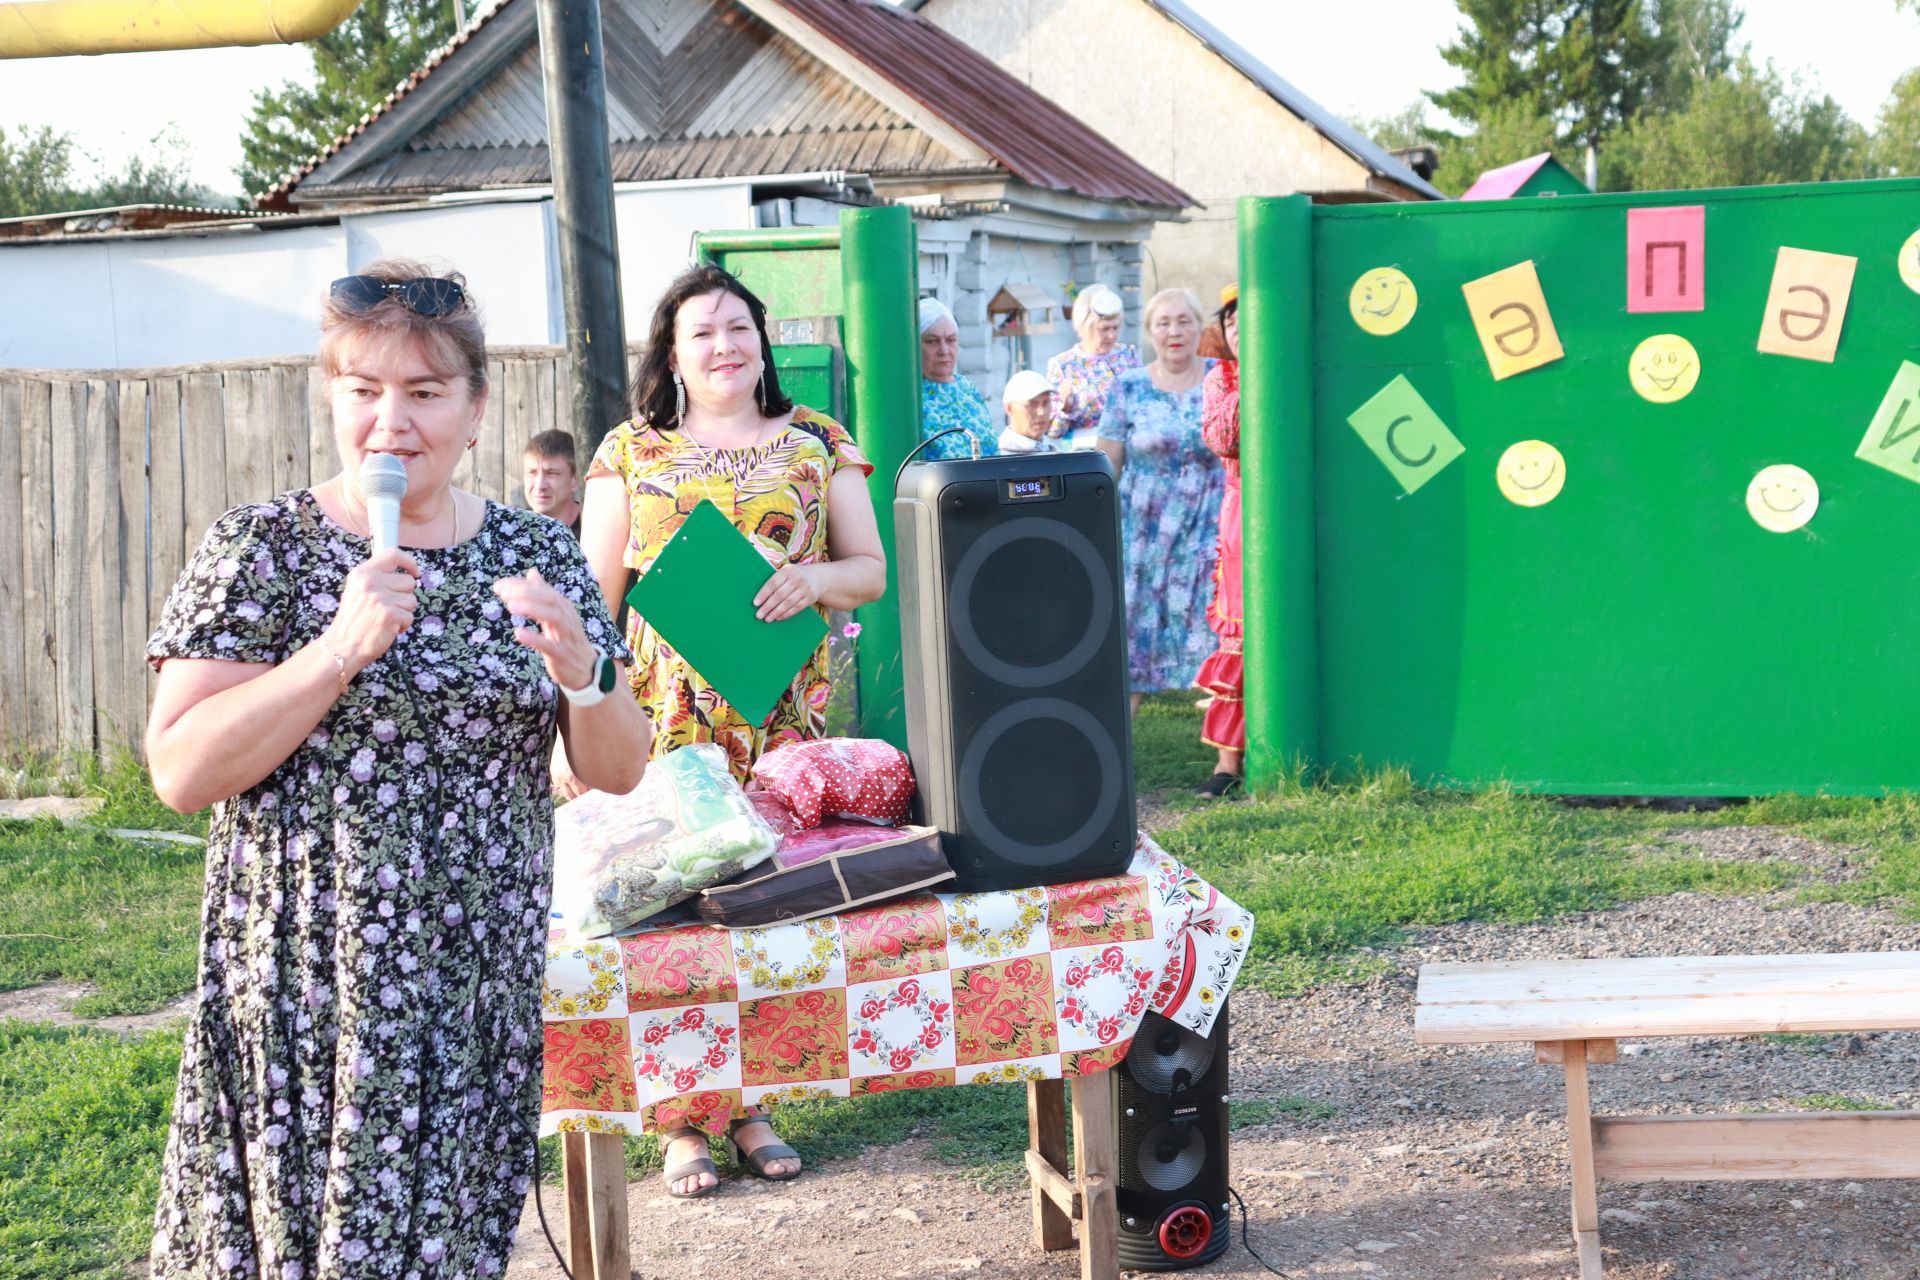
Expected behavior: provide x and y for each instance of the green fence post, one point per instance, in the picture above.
(881, 285)
(1276, 455)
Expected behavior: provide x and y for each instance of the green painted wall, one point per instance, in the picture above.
(1640, 633)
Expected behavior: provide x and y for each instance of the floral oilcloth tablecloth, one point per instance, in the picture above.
(690, 1024)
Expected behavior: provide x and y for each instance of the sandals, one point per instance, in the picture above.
(1219, 786)
(756, 1160)
(689, 1168)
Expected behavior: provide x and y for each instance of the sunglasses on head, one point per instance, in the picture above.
(422, 295)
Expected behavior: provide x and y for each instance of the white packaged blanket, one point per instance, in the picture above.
(619, 859)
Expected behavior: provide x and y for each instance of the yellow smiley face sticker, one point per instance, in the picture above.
(1782, 498)
(1664, 368)
(1530, 473)
(1383, 300)
(1910, 262)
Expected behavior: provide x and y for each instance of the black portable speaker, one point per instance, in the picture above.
(1170, 1096)
(1013, 627)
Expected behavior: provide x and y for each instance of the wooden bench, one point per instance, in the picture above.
(1575, 1010)
(594, 1168)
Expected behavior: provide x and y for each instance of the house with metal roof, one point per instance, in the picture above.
(802, 104)
(723, 115)
(1184, 98)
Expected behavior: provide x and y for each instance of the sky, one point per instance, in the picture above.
(1853, 49)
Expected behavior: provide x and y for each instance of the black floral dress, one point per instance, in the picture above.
(363, 1068)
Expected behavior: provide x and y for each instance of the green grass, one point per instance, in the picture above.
(78, 905)
(1797, 1040)
(1246, 1113)
(1336, 871)
(83, 1120)
(1835, 1102)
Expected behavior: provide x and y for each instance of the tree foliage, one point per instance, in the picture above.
(1663, 85)
(40, 173)
(355, 67)
(1509, 131)
(1896, 139)
(1750, 127)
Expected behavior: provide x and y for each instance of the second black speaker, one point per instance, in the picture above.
(1013, 642)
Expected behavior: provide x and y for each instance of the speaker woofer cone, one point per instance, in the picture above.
(1108, 768)
(960, 603)
(1171, 1154)
(1162, 1050)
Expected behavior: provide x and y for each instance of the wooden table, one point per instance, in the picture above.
(1574, 1012)
(594, 1167)
(687, 1023)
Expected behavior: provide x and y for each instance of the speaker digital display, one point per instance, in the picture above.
(1013, 621)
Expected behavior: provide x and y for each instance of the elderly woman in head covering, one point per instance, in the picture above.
(1170, 487)
(947, 399)
(1083, 374)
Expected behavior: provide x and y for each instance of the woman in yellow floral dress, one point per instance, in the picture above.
(710, 422)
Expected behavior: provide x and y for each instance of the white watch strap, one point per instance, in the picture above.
(591, 694)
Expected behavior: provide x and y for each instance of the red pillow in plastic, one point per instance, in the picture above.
(860, 778)
(801, 845)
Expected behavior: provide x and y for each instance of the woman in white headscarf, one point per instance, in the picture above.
(947, 399)
(1082, 374)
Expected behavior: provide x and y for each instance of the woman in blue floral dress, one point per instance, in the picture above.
(362, 1071)
(1084, 373)
(947, 399)
(1170, 489)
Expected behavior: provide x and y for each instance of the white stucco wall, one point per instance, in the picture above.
(1166, 100)
(136, 301)
(121, 302)
(656, 240)
(506, 251)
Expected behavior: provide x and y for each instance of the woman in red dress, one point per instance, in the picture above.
(1222, 676)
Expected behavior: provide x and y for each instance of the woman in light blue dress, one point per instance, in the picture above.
(1170, 489)
(947, 399)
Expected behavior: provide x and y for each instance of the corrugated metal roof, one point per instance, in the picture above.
(704, 88)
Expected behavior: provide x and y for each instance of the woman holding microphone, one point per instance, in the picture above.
(371, 726)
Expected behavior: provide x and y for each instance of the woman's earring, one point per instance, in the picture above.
(472, 441)
(679, 400)
(760, 394)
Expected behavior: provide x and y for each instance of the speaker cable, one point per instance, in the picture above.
(1246, 1241)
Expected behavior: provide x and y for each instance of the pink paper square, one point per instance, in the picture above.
(1667, 259)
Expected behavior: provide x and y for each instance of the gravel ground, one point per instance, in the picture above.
(1438, 1162)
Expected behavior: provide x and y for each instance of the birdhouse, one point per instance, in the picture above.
(1020, 309)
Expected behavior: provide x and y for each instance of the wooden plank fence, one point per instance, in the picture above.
(108, 479)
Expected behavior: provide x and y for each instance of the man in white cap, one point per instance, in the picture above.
(1029, 403)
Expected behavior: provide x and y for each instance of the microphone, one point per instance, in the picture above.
(383, 483)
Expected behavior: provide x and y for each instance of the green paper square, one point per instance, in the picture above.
(1405, 434)
(1893, 440)
(699, 597)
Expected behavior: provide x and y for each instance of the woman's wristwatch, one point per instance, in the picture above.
(598, 686)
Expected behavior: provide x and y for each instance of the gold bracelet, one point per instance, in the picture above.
(338, 660)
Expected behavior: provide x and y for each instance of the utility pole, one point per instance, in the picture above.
(573, 62)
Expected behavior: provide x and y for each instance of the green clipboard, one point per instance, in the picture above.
(699, 597)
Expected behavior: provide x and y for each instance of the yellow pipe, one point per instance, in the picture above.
(54, 28)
